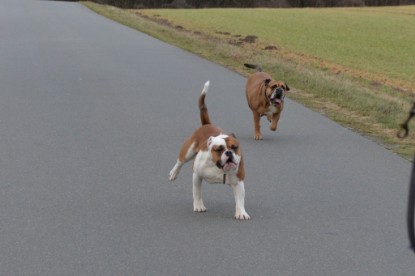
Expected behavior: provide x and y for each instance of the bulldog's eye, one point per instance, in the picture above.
(220, 149)
(234, 148)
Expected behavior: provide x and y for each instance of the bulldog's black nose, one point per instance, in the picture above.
(279, 93)
(229, 154)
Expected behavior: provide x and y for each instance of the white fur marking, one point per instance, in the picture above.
(205, 168)
(176, 169)
(239, 193)
(198, 205)
(217, 140)
(272, 110)
(206, 87)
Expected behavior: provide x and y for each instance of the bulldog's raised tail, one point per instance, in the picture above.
(204, 115)
(253, 66)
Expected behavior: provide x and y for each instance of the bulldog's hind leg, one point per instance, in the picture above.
(187, 153)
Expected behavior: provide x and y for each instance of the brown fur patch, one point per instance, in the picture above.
(216, 153)
(199, 138)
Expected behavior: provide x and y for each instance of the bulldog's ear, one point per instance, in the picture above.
(286, 87)
(233, 135)
(267, 81)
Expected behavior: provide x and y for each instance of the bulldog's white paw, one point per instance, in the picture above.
(174, 172)
(173, 175)
(199, 207)
(242, 215)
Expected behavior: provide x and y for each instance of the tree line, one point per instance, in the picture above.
(149, 4)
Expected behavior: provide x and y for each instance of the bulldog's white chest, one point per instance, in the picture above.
(206, 169)
(271, 110)
(211, 175)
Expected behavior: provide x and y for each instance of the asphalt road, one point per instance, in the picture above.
(92, 116)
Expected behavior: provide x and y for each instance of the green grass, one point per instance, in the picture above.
(353, 65)
(379, 42)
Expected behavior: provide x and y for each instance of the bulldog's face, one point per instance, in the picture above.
(225, 152)
(275, 92)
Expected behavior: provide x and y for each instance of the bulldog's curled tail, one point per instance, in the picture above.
(253, 66)
(204, 115)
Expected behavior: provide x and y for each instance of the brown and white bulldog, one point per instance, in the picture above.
(265, 97)
(217, 159)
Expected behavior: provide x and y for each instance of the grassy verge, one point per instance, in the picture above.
(367, 91)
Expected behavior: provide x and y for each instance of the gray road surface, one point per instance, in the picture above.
(92, 115)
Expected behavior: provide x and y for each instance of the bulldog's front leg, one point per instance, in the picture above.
(274, 121)
(198, 205)
(257, 126)
(239, 193)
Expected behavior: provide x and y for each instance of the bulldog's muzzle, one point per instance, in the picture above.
(230, 163)
(277, 96)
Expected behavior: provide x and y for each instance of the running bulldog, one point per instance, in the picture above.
(265, 97)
